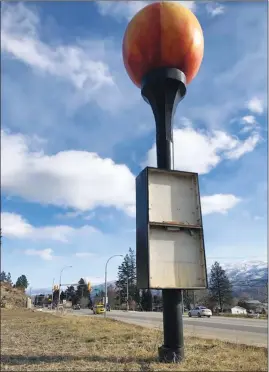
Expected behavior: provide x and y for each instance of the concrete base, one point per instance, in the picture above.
(167, 355)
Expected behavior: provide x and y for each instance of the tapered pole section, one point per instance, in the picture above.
(163, 89)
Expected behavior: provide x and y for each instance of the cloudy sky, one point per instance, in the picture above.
(76, 132)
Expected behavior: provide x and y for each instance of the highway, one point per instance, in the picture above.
(243, 331)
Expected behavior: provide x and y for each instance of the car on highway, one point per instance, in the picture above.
(200, 311)
(98, 309)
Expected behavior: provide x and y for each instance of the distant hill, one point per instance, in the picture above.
(247, 271)
(248, 277)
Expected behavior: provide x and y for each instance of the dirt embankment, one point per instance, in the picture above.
(12, 298)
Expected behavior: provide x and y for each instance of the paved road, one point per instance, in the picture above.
(246, 331)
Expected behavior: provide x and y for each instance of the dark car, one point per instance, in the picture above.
(108, 307)
(76, 307)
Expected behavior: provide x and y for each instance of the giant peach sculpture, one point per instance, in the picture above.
(164, 34)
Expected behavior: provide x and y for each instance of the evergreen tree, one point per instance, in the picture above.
(8, 278)
(149, 300)
(22, 282)
(127, 271)
(70, 292)
(3, 276)
(220, 288)
(188, 298)
(143, 299)
(157, 301)
(62, 296)
(82, 289)
(146, 300)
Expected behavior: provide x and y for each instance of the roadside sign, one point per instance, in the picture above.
(169, 230)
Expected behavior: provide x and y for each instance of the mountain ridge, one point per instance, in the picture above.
(246, 273)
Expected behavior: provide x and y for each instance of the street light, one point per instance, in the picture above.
(116, 255)
(65, 267)
(162, 52)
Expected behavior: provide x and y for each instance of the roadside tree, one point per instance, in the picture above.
(127, 271)
(220, 288)
(22, 282)
(3, 276)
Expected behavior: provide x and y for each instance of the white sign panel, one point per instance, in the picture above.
(170, 243)
(175, 259)
(173, 198)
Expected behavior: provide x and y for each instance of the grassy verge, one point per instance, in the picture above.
(35, 341)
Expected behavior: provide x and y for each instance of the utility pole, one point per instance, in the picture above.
(127, 290)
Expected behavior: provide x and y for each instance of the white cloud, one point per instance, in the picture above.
(200, 152)
(255, 105)
(249, 123)
(246, 146)
(120, 9)
(80, 64)
(78, 179)
(127, 9)
(214, 9)
(45, 254)
(15, 226)
(218, 203)
(249, 119)
(84, 254)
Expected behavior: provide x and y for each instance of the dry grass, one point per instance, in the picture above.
(12, 297)
(35, 341)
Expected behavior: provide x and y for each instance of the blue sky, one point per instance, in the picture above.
(76, 132)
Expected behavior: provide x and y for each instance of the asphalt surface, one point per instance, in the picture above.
(243, 331)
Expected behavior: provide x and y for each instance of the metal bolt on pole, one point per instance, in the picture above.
(163, 89)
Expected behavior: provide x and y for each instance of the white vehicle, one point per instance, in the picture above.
(200, 311)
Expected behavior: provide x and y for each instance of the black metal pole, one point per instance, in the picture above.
(163, 89)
